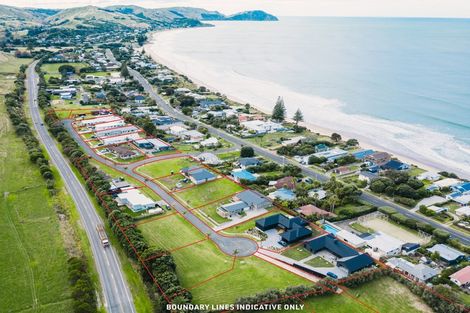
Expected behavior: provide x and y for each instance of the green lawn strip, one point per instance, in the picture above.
(384, 294)
(272, 140)
(353, 207)
(52, 69)
(251, 275)
(207, 192)
(361, 228)
(228, 155)
(165, 167)
(170, 232)
(170, 181)
(296, 253)
(318, 262)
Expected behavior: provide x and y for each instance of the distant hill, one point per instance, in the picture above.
(121, 15)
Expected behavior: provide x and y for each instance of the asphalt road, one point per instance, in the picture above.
(116, 293)
(238, 246)
(372, 199)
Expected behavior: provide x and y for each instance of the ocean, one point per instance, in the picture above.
(398, 84)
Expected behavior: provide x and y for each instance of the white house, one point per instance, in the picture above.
(177, 130)
(384, 245)
(431, 176)
(116, 131)
(193, 136)
(463, 211)
(209, 142)
(135, 200)
(262, 127)
(120, 139)
(113, 124)
(101, 119)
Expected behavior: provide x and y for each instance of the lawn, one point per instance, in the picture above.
(273, 140)
(318, 262)
(166, 167)
(211, 211)
(170, 232)
(251, 275)
(385, 295)
(297, 253)
(362, 229)
(52, 69)
(170, 181)
(225, 156)
(32, 254)
(207, 192)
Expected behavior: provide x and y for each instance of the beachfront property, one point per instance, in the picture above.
(462, 277)
(395, 165)
(294, 229)
(419, 272)
(460, 193)
(362, 154)
(135, 200)
(260, 127)
(429, 176)
(331, 155)
(447, 254)
(379, 158)
(293, 141)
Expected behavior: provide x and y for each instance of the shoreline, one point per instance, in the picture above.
(364, 143)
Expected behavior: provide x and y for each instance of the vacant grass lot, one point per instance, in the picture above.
(32, 255)
(207, 192)
(318, 262)
(166, 167)
(385, 295)
(170, 232)
(251, 275)
(52, 70)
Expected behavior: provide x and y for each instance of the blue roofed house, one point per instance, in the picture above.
(238, 175)
(362, 154)
(139, 99)
(321, 147)
(199, 176)
(294, 228)
(247, 162)
(347, 257)
(395, 165)
(462, 188)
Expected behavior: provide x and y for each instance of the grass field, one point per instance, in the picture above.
(211, 211)
(318, 262)
(32, 253)
(207, 192)
(385, 295)
(170, 232)
(170, 181)
(250, 275)
(297, 253)
(165, 167)
(52, 70)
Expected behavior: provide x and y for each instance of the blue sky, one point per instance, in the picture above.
(425, 8)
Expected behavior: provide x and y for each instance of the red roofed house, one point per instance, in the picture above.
(285, 182)
(310, 209)
(462, 277)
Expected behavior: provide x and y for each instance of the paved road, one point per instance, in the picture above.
(116, 293)
(372, 199)
(239, 246)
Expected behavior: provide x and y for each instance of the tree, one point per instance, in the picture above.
(279, 110)
(352, 142)
(124, 70)
(247, 152)
(298, 117)
(65, 69)
(336, 137)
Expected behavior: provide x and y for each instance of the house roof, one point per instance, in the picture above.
(393, 165)
(310, 209)
(356, 262)
(283, 194)
(362, 154)
(248, 161)
(462, 276)
(234, 207)
(251, 197)
(280, 220)
(295, 234)
(420, 271)
(410, 246)
(463, 187)
(244, 174)
(330, 243)
(201, 174)
(445, 252)
(285, 182)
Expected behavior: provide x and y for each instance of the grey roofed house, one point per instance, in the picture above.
(448, 254)
(201, 175)
(234, 207)
(421, 272)
(253, 199)
(245, 162)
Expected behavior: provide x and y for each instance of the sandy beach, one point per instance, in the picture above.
(412, 144)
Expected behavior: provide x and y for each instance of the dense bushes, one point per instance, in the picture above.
(83, 291)
(14, 103)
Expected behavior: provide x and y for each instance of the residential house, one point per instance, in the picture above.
(113, 131)
(395, 165)
(114, 140)
(262, 127)
(409, 248)
(352, 239)
(181, 91)
(283, 194)
(347, 258)
(247, 162)
(461, 278)
(384, 245)
(135, 200)
(463, 211)
(310, 209)
(209, 142)
(367, 176)
(287, 182)
(122, 152)
(209, 158)
(362, 154)
(294, 228)
(139, 99)
(321, 147)
(242, 174)
(419, 272)
(253, 199)
(108, 125)
(430, 176)
(193, 136)
(332, 154)
(97, 120)
(379, 158)
(320, 194)
(230, 209)
(200, 176)
(293, 141)
(447, 254)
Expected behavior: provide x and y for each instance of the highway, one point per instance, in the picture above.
(116, 294)
(367, 197)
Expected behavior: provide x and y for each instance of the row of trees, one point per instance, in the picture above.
(279, 113)
(14, 103)
(83, 289)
